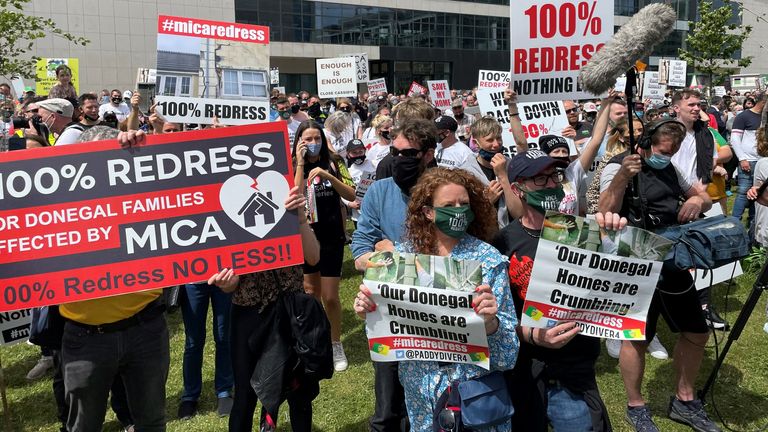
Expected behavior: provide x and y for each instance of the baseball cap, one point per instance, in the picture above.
(354, 144)
(590, 107)
(547, 143)
(127, 94)
(446, 122)
(57, 105)
(457, 103)
(530, 163)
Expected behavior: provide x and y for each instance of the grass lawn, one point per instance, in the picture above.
(346, 401)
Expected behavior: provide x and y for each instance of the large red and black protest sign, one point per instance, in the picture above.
(95, 220)
(553, 40)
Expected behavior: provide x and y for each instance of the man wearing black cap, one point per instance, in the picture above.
(362, 172)
(450, 153)
(554, 378)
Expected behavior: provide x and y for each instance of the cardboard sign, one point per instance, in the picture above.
(651, 88)
(361, 65)
(553, 39)
(146, 76)
(719, 90)
(416, 89)
(274, 76)
(15, 326)
(45, 74)
(336, 77)
(203, 111)
(440, 94)
(376, 86)
(93, 220)
(424, 309)
(602, 280)
(677, 73)
(188, 69)
(621, 84)
(495, 80)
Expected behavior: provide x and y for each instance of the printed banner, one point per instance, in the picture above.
(602, 280)
(495, 80)
(621, 84)
(15, 326)
(336, 77)
(203, 111)
(208, 62)
(537, 118)
(361, 66)
(94, 220)
(440, 94)
(651, 88)
(376, 86)
(416, 89)
(424, 309)
(553, 40)
(45, 74)
(363, 182)
(676, 72)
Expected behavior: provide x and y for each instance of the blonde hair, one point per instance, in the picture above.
(484, 127)
(380, 121)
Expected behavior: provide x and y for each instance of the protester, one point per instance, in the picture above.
(115, 106)
(450, 152)
(338, 129)
(577, 130)
(56, 114)
(360, 169)
(618, 142)
(411, 108)
(660, 188)
(464, 121)
(553, 381)
(258, 338)
(379, 227)
(378, 148)
(439, 199)
(285, 113)
(318, 171)
(90, 117)
(64, 88)
(744, 144)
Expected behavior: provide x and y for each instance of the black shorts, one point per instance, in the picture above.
(331, 258)
(677, 301)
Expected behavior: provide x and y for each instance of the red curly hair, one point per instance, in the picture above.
(420, 231)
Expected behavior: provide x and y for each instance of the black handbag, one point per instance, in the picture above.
(478, 403)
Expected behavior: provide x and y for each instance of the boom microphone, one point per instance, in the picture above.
(634, 40)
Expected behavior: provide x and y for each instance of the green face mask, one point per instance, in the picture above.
(453, 221)
(545, 199)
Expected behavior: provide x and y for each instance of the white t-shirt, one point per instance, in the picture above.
(362, 175)
(575, 182)
(121, 111)
(685, 158)
(293, 126)
(761, 211)
(69, 136)
(454, 156)
(375, 152)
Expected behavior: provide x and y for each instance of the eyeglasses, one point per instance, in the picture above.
(447, 419)
(33, 111)
(541, 180)
(409, 152)
(572, 110)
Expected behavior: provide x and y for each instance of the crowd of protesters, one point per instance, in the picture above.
(432, 168)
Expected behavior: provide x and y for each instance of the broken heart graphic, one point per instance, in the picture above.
(256, 205)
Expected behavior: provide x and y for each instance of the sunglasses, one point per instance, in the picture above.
(33, 111)
(409, 152)
(572, 110)
(447, 419)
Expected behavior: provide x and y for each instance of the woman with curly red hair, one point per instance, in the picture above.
(448, 215)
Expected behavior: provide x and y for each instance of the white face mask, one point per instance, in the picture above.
(51, 117)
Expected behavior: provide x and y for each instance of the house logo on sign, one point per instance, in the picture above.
(255, 204)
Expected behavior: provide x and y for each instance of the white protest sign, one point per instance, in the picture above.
(677, 73)
(604, 281)
(424, 309)
(553, 39)
(363, 182)
(146, 76)
(14, 326)
(489, 79)
(651, 88)
(621, 84)
(203, 110)
(18, 86)
(274, 76)
(719, 90)
(336, 77)
(440, 94)
(361, 64)
(377, 85)
(544, 118)
(416, 89)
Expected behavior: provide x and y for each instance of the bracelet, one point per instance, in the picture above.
(530, 336)
(514, 114)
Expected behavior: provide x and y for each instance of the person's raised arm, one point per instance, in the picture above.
(132, 121)
(514, 121)
(590, 150)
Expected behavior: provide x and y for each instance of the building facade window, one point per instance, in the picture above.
(174, 85)
(245, 83)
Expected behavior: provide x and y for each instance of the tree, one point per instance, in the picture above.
(20, 31)
(713, 40)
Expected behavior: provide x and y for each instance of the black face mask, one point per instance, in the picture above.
(347, 109)
(93, 119)
(314, 110)
(117, 100)
(385, 135)
(355, 160)
(458, 116)
(566, 159)
(295, 108)
(406, 172)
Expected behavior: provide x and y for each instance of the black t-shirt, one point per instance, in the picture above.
(520, 244)
(329, 226)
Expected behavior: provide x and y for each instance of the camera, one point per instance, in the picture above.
(110, 119)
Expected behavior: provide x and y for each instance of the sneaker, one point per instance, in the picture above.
(224, 406)
(614, 347)
(692, 414)
(339, 358)
(640, 419)
(657, 350)
(187, 410)
(40, 368)
(714, 320)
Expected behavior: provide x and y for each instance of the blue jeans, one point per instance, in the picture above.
(567, 412)
(194, 311)
(139, 355)
(741, 202)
